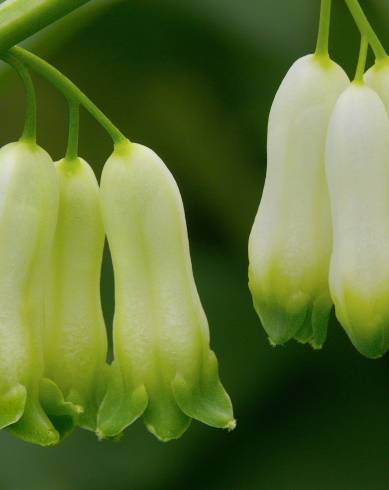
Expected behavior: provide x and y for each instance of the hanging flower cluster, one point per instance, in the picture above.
(53, 221)
(321, 234)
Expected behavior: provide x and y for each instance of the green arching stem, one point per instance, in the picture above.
(68, 89)
(74, 126)
(361, 60)
(29, 130)
(22, 18)
(366, 29)
(324, 28)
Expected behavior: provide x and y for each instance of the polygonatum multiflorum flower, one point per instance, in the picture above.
(163, 366)
(29, 405)
(357, 164)
(75, 337)
(290, 243)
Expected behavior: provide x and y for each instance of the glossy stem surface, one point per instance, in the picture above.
(324, 28)
(74, 128)
(19, 19)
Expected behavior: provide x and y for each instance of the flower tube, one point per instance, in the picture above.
(163, 366)
(75, 337)
(290, 243)
(29, 405)
(357, 164)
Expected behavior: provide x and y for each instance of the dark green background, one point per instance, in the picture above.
(194, 80)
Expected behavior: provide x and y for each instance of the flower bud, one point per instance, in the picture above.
(28, 208)
(163, 367)
(290, 243)
(357, 164)
(75, 337)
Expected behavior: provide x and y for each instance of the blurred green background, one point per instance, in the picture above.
(194, 80)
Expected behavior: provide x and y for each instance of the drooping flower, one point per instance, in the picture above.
(29, 405)
(357, 164)
(163, 366)
(290, 243)
(75, 338)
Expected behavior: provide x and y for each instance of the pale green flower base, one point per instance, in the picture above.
(45, 417)
(12, 404)
(305, 321)
(167, 407)
(365, 322)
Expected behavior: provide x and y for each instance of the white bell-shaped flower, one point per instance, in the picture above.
(290, 243)
(164, 368)
(31, 406)
(75, 340)
(357, 164)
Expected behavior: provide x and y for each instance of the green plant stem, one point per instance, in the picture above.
(29, 130)
(324, 28)
(68, 89)
(366, 29)
(74, 127)
(20, 19)
(361, 60)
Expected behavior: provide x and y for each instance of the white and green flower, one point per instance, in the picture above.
(357, 164)
(30, 406)
(163, 367)
(290, 243)
(75, 339)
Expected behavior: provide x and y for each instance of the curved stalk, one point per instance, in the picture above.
(22, 18)
(29, 130)
(68, 89)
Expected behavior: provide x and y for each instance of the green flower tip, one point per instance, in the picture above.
(231, 425)
(100, 435)
(293, 316)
